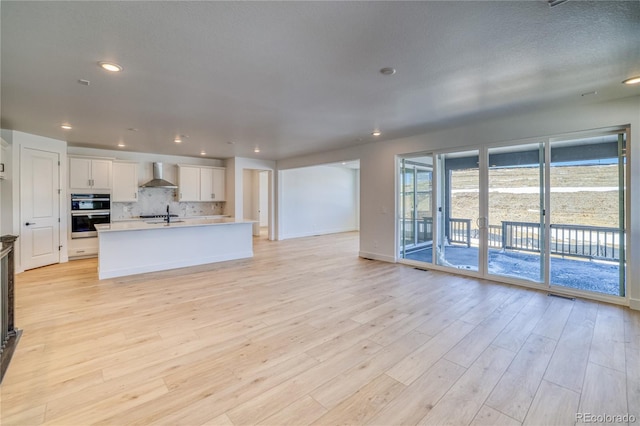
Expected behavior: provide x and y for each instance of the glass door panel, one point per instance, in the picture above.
(458, 210)
(416, 216)
(516, 220)
(586, 234)
(407, 236)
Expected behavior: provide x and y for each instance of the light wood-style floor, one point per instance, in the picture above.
(308, 333)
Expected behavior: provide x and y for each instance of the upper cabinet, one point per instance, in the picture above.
(90, 173)
(199, 183)
(219, 184)
(188, 183)
(125, 181)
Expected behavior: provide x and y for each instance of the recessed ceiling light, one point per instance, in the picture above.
(84, 82)
(344, 163)
(66, 126)
(231, 142)
(110, 66)
(132, 129)
(387, 71)
(376, 133)
(121, 145)
(632, 80)
(256, 149)
(203, 153)
(177, 140)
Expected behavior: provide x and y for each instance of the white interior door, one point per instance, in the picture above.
(40, 208)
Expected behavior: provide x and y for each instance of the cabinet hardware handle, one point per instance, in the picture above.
(29, 223)
(135, 195)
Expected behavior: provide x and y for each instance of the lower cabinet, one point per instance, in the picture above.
(82, 247)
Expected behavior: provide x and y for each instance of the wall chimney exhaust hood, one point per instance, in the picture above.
(157, 181)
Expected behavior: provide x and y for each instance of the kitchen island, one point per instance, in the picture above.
(127, 248)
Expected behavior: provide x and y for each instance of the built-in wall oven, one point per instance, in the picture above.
(88, 210)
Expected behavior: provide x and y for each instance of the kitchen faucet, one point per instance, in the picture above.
(168, 215)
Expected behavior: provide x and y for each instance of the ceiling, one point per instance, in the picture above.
(293, 78)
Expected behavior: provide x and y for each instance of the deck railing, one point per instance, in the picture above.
(422, 228)
(460, 231)
(593, 242)
(495, 236)
(586, 241)
(523, 236)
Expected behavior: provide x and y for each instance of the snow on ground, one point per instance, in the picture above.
(536, 189)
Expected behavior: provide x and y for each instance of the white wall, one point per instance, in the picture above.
(378, 162)
(250, 197)
(317, 200)
(6, 189)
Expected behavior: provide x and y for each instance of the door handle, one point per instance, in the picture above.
(29, 223)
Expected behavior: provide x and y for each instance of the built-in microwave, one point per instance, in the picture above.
(88, 210)
(90, 202)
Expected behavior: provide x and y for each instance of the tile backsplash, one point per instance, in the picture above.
(155, 200)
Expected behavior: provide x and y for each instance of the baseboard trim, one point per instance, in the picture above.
(316, 233)
(377, 256)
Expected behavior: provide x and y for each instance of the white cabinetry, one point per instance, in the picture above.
(82, 247)
(89, 173)
(198, 183)
(125, 181)
(189, 183)
(219, 184)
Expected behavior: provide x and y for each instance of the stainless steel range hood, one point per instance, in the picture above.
(157, 181)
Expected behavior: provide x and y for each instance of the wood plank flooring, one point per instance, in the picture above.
(308, 333)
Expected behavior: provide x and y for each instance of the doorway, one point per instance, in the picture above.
(256, 201)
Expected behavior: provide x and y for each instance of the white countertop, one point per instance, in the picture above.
(138, 219)
(177, 222)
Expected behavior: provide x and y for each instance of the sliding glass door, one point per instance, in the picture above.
(459, 210)
(515, 216)
(550, 213)
(586, 206)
